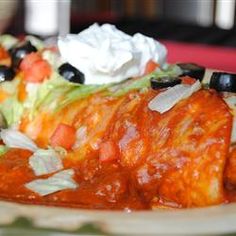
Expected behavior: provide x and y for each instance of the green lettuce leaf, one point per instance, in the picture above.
(80, 93)
(56, 93)
(12, 110)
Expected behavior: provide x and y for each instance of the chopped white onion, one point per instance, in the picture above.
(15, 139)
(45, 162)
(81, 137)
(167, 99)
(59, 181)
(233, 132)
(231, 101)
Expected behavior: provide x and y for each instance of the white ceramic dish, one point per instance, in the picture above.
(215, 220)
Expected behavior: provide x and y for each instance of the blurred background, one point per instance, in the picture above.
(198, 22)
(201, 21)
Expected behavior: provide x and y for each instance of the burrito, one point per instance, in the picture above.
(102, 121)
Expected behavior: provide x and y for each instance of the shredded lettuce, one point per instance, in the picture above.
(15, 139)
(47, 94)
(80, 93)
(8, 41)
(52, 58)
(45, 162)
(57, 182)
(120, 89)
(12, 110)
(10, 86)
(56, 93)
(123, 88)
(3, 149)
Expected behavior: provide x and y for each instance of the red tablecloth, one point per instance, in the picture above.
(221, 58)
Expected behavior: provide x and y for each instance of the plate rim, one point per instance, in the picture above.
(210, 220)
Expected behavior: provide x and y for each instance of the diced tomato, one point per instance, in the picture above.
(35, 68)
(3, 53)
(108, 151)
(29, 60)
(151, 66)
(39, 71)
(187, 80)
(5, 58)
(64, 136)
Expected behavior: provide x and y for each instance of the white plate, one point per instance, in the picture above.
(212, 220)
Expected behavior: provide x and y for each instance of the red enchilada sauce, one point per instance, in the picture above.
(174, 160)
(101, 187)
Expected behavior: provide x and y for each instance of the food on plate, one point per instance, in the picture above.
(103, 122)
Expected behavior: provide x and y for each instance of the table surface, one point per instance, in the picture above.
(215, 57)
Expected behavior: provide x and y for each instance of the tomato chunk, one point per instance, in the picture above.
(187, 80)
(39, 71)
(151, 66)
(35, 68)
(3, 53)
(5, 58)
(64, 136)
(29, 60)
(108, 151)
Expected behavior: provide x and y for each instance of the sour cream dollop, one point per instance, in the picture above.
(105, 54)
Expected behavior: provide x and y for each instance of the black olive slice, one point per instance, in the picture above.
(223, 82)
(20, 51)
(6, 73)
(71, 74)
(164, 82)
(193, 70)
